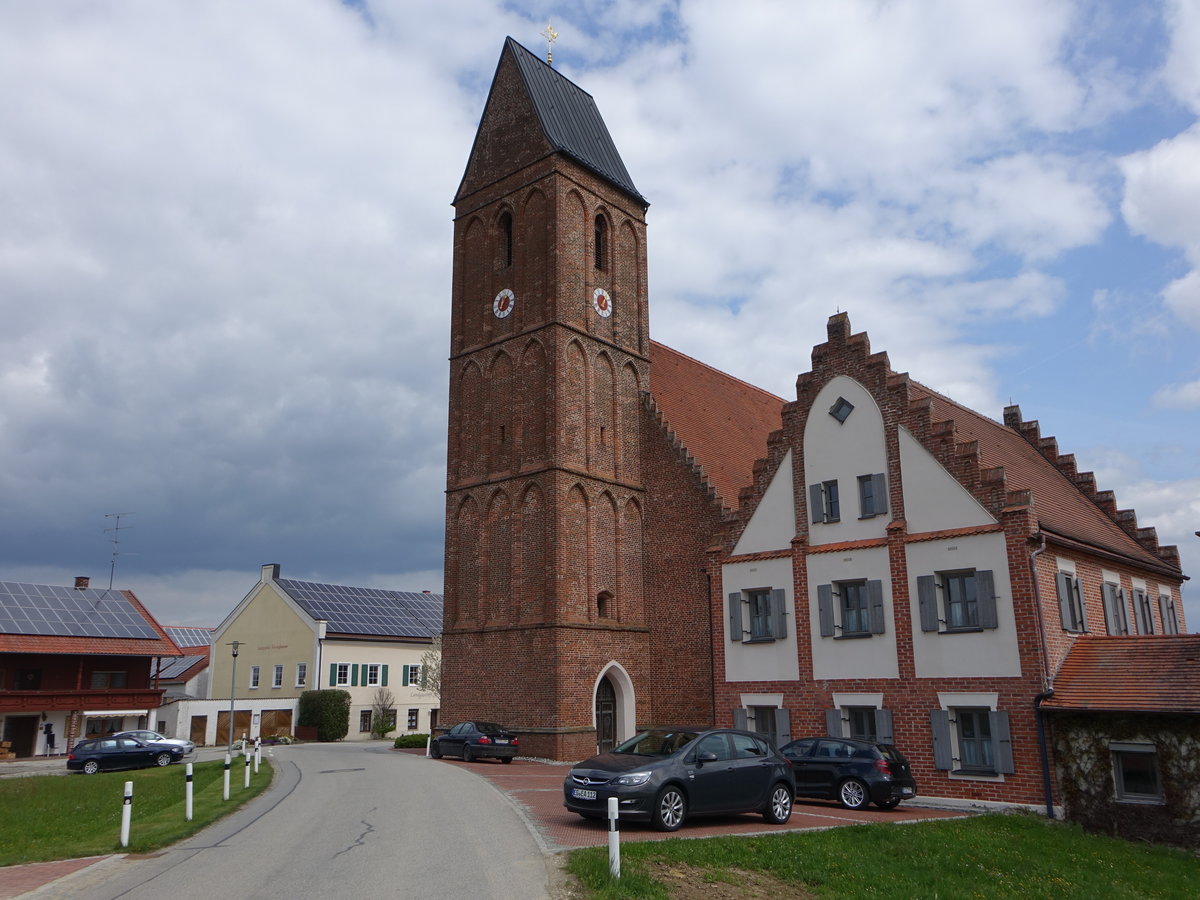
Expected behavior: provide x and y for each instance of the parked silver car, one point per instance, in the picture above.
(153, 737)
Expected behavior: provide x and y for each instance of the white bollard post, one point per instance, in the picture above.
(257, 754)
(126, 812)
(227, 762)
(614, 840)
(187, 805)
(247, 784)
(428, 744)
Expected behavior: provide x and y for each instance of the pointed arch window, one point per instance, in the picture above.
(600, 242)
(506, 239)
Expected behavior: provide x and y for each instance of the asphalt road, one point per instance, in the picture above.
(342, 820)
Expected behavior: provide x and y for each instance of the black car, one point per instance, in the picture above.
(475, 740)
(114, 752)
(852, 772)
(665, 775)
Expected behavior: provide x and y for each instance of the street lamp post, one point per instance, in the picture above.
(232, 691)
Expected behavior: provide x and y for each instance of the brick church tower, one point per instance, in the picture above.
(545, 618)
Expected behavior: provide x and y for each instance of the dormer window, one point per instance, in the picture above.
(600, 243)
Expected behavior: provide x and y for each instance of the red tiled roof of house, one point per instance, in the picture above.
(1153, 673)
(1061, 506)
(721, 421)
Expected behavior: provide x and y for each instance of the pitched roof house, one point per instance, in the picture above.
(74, 661)
(633, 537)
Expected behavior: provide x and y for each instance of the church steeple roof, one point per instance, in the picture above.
(569, 119)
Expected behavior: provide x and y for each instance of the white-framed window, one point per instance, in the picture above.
(872, 495)
(301, 674)
(277, 676)
(412, 676)
(254, 676)
(850, 609)
(413, 715)
(957, 601)
(341, 674)
(1135, 772)
(371, 675)
(824, 504)
(764, 610)
(1070, 602)
(1166, 608)
(1115, 615)
(364, 720)
(972, 741)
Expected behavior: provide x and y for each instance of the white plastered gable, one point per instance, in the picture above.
(773, 524)
(933, 498)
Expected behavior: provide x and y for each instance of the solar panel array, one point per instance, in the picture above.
(69, 612)
(174, 666)
(189, 635)
(354, 610)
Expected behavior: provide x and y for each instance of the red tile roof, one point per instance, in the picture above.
(1060, 505)
(1153, 673)
(721, 421)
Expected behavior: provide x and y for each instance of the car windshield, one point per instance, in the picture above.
(659, 742)
(489, 728)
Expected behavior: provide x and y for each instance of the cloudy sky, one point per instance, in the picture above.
(225, 237)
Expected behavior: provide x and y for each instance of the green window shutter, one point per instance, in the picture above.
(404, 676)
(883, 726)
(354, 675)
(383, 675)
(875, 598)
(735, 616)
(825, 609)
(1001, 743)
(778, 613)
(333, 674)
(833, 722)
(985, 595)
(927, 600)
(816, 504)
(939, 721)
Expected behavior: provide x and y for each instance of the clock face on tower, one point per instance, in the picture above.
(504, 303)
(601, 302)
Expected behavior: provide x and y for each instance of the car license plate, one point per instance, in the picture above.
(501, 741)
(906, 791)
(581, 794)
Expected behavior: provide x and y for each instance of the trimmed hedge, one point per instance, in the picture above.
(328, 711)
(410, 740)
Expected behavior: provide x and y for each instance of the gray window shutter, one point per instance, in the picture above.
(778, 613)
(1168, 614)
(816, 503)
(1107, 592)
(883, 726)
(985, 594)
(879, 490)
(825, 608)
(1145, 617)
(1124, 609)
(833, 722)
(1001, 743)
(875, 596)
(735, 616)
(783, 726)
(1062, 581)
(927, 599)
(741, 718)
(1079, 604)
(943, 756)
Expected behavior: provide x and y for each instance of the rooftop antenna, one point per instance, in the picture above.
(115, 531)
(551, 36)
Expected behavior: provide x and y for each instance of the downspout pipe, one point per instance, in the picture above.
(1047, 789)
(1048, 692)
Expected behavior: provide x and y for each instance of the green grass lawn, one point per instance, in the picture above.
(1019, 855)
(55, 817)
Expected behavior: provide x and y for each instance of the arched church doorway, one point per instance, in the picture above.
(606, 715)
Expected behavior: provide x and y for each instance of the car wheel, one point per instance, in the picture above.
(853, 794)
(435, 750)
(91, 767)
(887, 804)
(468, 753)
(506, 760)
(670, 807)
(163, 759)
(779, 807)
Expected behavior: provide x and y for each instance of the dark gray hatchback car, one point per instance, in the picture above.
(664, 775)
(852, 772)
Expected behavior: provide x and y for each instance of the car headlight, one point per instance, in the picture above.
(632, 779)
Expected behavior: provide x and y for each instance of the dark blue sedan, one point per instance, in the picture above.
(105, 753)
(476, 740)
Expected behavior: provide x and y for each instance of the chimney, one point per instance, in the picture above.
(81, 582)
(426, 592)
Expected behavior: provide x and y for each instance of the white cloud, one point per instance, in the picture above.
(1179, 396)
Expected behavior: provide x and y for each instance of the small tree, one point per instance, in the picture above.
(431, 668)
(383, 712)
(328, 711)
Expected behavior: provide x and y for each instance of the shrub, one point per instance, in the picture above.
(328, 711)
(410, 740)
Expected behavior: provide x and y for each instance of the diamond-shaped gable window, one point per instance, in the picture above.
(841, 410)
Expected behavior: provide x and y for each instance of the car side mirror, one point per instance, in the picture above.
(707, 757)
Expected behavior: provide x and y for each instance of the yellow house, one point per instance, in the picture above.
(293, 636)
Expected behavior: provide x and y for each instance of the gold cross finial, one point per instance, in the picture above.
(551, 36)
